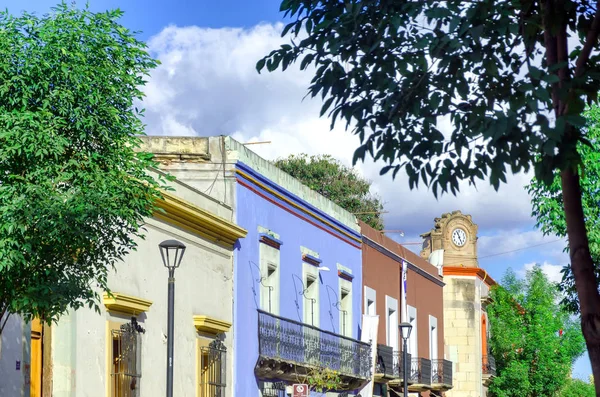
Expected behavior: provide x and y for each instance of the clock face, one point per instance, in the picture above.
(459, 237)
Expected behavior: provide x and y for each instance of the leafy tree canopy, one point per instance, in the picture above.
(577, 388)
(532, 357)
(338, 183)
(73, 193)
(548, 207)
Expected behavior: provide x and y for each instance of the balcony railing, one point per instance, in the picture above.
(441, 372)
(488, 365)
(399, 364)
(420, 371)
(301, 344)
(386, 364)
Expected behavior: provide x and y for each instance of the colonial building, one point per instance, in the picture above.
(298, 273)
(122, 351)
(430, 371)
(452, 246)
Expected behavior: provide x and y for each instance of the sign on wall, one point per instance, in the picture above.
(299, 390)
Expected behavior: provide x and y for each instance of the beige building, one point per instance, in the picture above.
(452, 246)
(122, 351)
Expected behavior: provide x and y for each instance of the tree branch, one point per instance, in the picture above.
(590, 43)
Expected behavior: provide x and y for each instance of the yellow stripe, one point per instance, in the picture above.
(299, 207)
(197, 220)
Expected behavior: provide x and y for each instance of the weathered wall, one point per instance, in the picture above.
(384, 274)
(462, 316)
(258, 208)
(14, 348)
(203, 286)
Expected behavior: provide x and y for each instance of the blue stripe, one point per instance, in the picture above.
(292, 197)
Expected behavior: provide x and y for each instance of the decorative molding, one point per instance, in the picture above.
(296, 202)
(197, 220)
(470, 271)
(270, 240)
(311, 260)
(211, 325)
(345, 275)
(127, 304)
(392, 255)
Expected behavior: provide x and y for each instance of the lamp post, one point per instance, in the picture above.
(405, 329)
(171, 252)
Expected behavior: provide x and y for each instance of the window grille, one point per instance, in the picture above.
(213, 369)
(126, 368)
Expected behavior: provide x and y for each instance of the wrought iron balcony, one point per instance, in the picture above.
(288, 349)
(420, 371)
(441, 374)
(488, 365)
(387, 364)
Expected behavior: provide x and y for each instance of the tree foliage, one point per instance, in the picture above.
(73, 192)
(548, 207)
(577, 388)
(532, 357)
(338, 183)
(508, 79)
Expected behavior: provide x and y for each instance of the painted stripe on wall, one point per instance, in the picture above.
(256, 191)
(399, 259)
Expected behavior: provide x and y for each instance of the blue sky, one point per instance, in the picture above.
(207, 85)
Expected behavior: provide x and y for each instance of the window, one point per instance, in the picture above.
(213, 369)
(311, 301)
(433, 338)
(345, 308)
(269, 278)
(126, 366)
(391, 321)
(412, 340)
(370, 301)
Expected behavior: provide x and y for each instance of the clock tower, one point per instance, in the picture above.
(452, 241)
(452, 246)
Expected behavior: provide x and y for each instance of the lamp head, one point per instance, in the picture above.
(405, 329)
(172, 252)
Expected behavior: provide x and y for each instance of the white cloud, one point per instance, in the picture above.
(513, 243)
(552, 271)
(207, 85)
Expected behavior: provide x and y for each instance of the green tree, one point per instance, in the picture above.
(73, 192)
(533, 340)
(548, 207)
(510, 79)
(577, 388)
(338, 183)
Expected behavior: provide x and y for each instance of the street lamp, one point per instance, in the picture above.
(405, 329)
(172, 252)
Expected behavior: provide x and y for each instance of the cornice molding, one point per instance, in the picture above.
(210, 325)
(196, 220)
(127, 304)
(470, 271)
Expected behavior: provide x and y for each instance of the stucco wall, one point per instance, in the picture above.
(462, 315)
(14, 347)
(203, 287)
(384, 274)
(254, 211)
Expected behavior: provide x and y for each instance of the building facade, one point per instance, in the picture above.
(430, 371)
(297, 274)
(452, 246)
(122, 351)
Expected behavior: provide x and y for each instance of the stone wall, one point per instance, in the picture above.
(462, 319)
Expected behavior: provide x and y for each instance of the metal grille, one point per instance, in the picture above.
(420, 371)
(441, 372)
(213, 369)
(291, 341)
(273, 389)
(126, 368)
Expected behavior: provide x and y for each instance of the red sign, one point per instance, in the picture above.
(299, 390)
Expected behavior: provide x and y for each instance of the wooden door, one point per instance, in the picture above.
(36, 358)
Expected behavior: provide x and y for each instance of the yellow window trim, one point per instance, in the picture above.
(211, 325)
(126, 304)
(196, 220)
